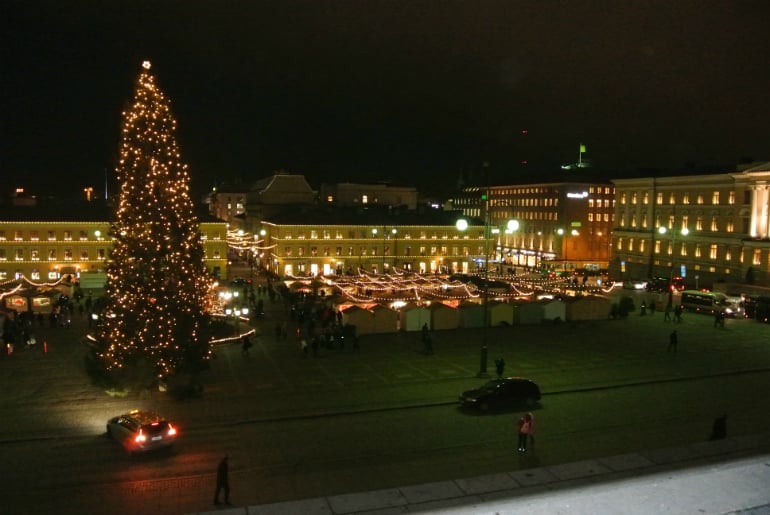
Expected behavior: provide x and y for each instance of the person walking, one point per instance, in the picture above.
(532, 428)
(245, 345)
(223, 481)
(678, 314)
(500, 367)
(667, 313)
(524, 425)
(673, 342)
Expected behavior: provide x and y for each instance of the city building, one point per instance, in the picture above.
(353, 194)
(561, 226)
(44, 241)
(706, 228)
(376, 239)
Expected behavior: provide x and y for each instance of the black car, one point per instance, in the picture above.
(502, 393)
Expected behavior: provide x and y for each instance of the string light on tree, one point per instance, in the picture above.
(158, 292)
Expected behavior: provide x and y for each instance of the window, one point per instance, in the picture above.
(731, 197)
(34, 254)
(641, 245)
(685, 198)
(699, 223)
(683, 250)
(657, 246)
(715, 198)
(51, 235)
(350, 251)
(51, 254)
(622, 198)
(757, 260)
(68, 254)
(18, 236)
(633, 220)
(102, 253)
(2, 235)
(646, 198)
(67, 235)
(19, 254)
(422, 251)
(697, 250)
(659, 198)
(699, 200)
(83, 235)
(313, 235)
(34, 235)
(728, 254)
(84, 254)
(3, 257)
(630, 244)
(590, 217)
(300, 251)
(633, 198)
(713, 251)
(714, 223)
(730, 226)
(287, 251)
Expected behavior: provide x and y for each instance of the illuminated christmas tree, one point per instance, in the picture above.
(158, 289)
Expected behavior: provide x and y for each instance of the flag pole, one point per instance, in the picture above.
(580, 154)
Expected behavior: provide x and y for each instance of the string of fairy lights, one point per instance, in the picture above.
(157, 287)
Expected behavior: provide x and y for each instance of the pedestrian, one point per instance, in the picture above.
(500, 367)
(223, 481)
(717, 319)
(667, 313)
(644, 309)
(652, 307)
(678, 314)
(303, 344)
(673, 342)
(245, 345)
(523, 430)
(532, 428)
(425, 332)
(719, 428)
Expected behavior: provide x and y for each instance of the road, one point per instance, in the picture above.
(300, 427)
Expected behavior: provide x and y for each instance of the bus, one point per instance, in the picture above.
(708, 302)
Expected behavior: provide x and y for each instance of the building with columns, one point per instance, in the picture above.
(706, 228)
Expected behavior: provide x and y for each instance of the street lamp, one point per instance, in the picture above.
(562, 233)
(510, 227)
(662, 231)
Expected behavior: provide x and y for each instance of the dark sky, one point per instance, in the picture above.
(415, 92)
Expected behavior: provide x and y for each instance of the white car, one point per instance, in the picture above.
(635, 285)
(141, 430)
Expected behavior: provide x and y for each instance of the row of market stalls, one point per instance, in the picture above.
(377, 318)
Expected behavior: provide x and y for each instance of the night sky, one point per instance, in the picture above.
(412, 92)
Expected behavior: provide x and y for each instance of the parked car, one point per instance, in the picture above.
(141, 430)
(502, 393)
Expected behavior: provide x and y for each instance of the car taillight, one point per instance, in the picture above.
(171, 430)
(140, 437)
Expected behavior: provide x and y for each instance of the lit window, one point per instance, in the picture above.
(34, 254)
(714, 223)
(757, 257)
(68, 254)
(633, 198)
(620, 244)
(630, 244)
(51, 254)
(84, 254)
(622, 198)
(633, 220)
(713, 251)
(697, 250)
(657, 246)
(683, 250)
(67, 235)
(728, 254)
(730, 226)
(35, 275)
(590, 217)
(34, 236)
(641, 245)
(17, 235)
(731, 198)
(646, 198)
(699, 223)
(699, 200)
(19, 254)
(685, 198)
(715, 198)
(364, 199)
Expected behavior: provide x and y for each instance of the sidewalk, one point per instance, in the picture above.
(723, 477)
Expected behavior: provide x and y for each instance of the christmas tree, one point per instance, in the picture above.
(155, 321)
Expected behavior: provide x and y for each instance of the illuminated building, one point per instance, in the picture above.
(715, 227)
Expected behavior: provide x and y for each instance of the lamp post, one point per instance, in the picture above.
(511, 226)
(562, 233)
(684, 232)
